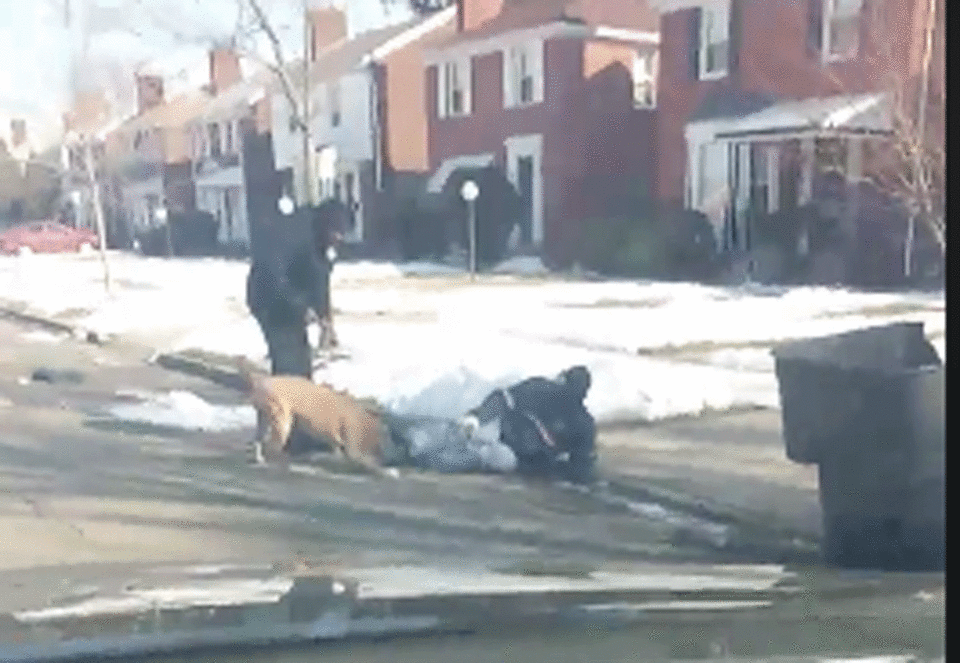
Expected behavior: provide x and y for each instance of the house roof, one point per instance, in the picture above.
(347, 55)
(526, 14)
(173, 113)
(237, 96)
(857, 113)
(730, 101)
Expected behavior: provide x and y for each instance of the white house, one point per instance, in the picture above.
(217, 156)
(346, 125)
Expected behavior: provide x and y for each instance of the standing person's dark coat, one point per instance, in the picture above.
(286, 281)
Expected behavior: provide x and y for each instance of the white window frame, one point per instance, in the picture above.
(854, 11)
(453, 76)
(714, 18)
(523, 60)
(645, 70)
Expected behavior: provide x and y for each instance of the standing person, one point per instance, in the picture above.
(283, 287)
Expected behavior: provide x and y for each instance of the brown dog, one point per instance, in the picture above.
(357, 432)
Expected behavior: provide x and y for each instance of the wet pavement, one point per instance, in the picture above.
(78, 489)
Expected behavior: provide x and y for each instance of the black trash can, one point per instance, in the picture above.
(868, 407)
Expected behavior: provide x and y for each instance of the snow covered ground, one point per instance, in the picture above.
(424, 340)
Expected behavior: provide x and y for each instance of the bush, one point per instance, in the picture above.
(654, 243)
(420, 223)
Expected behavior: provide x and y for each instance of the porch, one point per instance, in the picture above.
(787, 183)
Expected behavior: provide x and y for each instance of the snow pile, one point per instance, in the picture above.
(187, 411)
(436, 344)
(523, 266)
(43, 336)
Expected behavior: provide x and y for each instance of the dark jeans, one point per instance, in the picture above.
(289, 350)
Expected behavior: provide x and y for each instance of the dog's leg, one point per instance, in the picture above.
(260, 437)
(281, 428)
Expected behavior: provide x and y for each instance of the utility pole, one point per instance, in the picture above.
(305, 114)
(85, 142)
(98, 211)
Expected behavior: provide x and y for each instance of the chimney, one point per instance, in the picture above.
(149, 92)
(224, 69)
(327, 26)
(18, 132)
(90, 108)
(471, 14)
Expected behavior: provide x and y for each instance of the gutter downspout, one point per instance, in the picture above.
(376, 124)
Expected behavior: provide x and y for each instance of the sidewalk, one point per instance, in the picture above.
(695, 610)
(729, 465)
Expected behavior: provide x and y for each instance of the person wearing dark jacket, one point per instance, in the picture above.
(281, 291)
(545, 423)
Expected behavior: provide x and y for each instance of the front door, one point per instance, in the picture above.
(525, 189)
(525, 171)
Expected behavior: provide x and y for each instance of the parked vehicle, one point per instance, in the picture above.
(46, 237)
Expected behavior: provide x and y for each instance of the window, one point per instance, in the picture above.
(523, 74)
(228, 137)
(841, 28)
(645, 80)
(714, 41)
(453, 81)
(213, 131)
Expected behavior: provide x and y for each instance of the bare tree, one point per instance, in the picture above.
(914, 168)
(299, 119)
(278, 66)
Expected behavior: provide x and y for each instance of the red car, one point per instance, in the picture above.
(46, 237)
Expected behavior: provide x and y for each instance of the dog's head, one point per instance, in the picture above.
(247, 370)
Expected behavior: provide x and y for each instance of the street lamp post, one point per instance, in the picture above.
(286, 205)
(469, 192)
(163, 217)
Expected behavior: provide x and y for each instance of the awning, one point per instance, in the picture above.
(867, 114)
(439, 178)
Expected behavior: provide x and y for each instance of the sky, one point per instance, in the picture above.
(170, 36)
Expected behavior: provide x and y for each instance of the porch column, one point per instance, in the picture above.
(807, 155)
(854, 174)
(773, 177)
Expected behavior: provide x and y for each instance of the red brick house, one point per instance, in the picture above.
(758, 98)
(560, 94)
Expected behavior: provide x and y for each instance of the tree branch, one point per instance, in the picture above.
(279, 67)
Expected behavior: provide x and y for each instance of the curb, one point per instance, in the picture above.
(250, 612)
(50, 324)
(197, 367)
